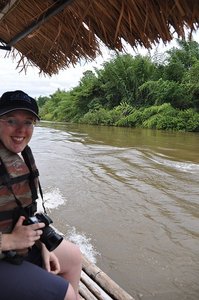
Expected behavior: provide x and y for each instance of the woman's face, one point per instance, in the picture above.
(16, 129)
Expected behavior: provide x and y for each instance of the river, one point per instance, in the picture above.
(130, 199)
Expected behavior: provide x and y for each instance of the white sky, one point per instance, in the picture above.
(35, 84)
(39, 85)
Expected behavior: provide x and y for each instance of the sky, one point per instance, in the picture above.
(37, 85)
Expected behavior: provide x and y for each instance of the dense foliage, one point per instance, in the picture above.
(134, 91)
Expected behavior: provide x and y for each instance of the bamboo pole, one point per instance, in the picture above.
(94, 287)
(84, 292)
(104, 281)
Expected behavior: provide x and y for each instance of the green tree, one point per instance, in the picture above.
(42, 100)
(174, 71)
(186, 54)
(122, 76)
(87, 90)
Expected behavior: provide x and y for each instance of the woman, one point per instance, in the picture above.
(28, 270)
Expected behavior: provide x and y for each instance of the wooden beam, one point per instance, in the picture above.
(7, 8)
(52, 11)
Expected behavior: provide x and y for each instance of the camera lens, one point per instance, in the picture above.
(50, 238)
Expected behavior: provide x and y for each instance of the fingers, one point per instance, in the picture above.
(36, 226)
(35, 230)
(37, 234)
(50, 262)
(55, 266)
(20, 221)
(24, 236)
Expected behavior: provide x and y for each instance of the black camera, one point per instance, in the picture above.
(49, 237)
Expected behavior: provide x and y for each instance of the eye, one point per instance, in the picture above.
(11, 122)
(28, 123)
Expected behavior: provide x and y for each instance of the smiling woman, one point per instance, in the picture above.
(22, 240)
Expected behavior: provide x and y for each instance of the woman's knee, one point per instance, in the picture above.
(70, 252)
(77, 254)
(76, 257)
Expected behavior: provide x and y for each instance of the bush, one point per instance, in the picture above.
(101, 116)
(188, 120)
(132, 120)
(173, 119)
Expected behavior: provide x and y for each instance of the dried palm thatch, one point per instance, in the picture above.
(77, 30)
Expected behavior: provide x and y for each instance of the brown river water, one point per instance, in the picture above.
(130, 199)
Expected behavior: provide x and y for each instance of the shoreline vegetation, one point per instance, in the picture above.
(159, 92)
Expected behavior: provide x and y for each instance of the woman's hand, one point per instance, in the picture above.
(22, 237)
(50, 260)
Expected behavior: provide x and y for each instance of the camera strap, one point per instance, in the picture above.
(30, 162)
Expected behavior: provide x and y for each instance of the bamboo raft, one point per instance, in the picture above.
(96, 285)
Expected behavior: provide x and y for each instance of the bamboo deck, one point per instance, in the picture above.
(96, 285)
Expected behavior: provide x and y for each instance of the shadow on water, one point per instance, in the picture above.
(134, 192)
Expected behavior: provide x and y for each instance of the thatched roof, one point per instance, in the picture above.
(74, 28)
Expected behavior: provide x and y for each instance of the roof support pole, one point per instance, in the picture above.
(52, 11)
(4, 11)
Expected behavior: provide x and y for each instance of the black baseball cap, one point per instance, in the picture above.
(16, 100)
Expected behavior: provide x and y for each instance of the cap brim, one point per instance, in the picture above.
(6, 111)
